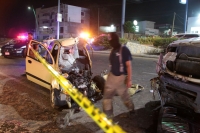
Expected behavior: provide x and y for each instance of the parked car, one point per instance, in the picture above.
(178, 85)
(14, 48)
(70, 58)
(100, 42)
(186, 35)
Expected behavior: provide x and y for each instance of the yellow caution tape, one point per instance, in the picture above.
(99, 117)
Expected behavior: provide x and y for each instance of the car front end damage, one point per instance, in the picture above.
(178, 87)
(74, 64)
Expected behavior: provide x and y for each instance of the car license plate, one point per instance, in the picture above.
(7, 53)
(18, 51)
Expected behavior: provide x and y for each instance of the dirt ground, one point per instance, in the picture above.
(25, 103)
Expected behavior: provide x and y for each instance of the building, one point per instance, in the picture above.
(147, 28)
(166, 29)
(193, 25)
(74, 20)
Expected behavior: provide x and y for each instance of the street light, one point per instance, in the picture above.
(36, 22)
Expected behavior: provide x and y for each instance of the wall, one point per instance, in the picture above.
(136, 48)
(193, 25)
(145, 24)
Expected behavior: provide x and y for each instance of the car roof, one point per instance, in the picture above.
(184, 34)
(70, 41)
(67, 41)
(191, 41)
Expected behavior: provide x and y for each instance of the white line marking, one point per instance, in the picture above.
(150, 73)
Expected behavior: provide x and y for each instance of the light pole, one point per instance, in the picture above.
(186, 12)
(98, 21)
(36, 22)
(59, 19)
(123, 17)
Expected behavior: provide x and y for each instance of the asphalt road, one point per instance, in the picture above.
(143, 70)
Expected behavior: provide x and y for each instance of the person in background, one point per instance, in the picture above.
(120, 77)
(30, 37)
(36, 48)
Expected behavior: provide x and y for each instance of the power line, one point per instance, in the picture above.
(180, 21)
(180, 16)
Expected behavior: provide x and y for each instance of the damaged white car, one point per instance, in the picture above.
(71, 59)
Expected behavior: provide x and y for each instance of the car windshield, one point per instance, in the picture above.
(18, 42)
(191, 35)
(178, 36)
(186, 36)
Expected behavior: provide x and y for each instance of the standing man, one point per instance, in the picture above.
(30, 37)
(120, 77)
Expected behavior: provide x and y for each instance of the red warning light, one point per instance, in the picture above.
(22, 37)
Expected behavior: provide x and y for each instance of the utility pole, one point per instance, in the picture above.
(36, 21)
(58, 23)
(98, 21)
(123, 17)
(186, 12)
(173, 24)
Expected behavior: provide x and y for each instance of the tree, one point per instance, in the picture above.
(129, 27)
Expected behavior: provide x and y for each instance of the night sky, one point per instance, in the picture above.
(15, 16)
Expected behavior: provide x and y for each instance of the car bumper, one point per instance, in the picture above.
(11, 52)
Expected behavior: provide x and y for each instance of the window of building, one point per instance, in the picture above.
(61, 29)
(45, 21)
(82, 21)
(45, 14)
(82, 14)
(45, 37)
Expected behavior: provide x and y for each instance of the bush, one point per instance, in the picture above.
(163, 42)
(147, 40)
(102, 40)
(123, 40)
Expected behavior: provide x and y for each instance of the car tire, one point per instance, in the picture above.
(24, 53)
(100, 82)
(53, 99)
(159, 123)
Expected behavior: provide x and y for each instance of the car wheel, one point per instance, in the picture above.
(24, 53)
(100, 82)
(53, 99)
(159, 124)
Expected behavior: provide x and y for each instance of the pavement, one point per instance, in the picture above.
(134, 55)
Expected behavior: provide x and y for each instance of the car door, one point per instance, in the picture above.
(35, 70)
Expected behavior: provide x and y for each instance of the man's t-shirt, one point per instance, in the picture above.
(115, 63)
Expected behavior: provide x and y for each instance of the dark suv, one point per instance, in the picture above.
(178, 85)
(186, 35)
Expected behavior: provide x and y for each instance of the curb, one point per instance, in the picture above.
(134, 55)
